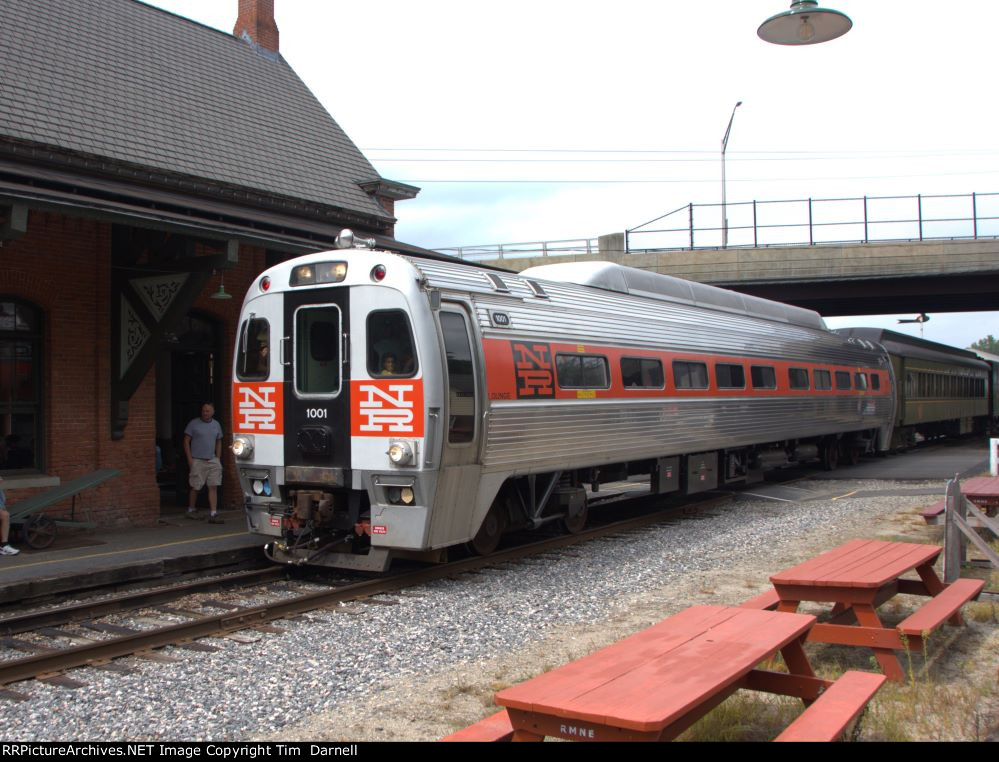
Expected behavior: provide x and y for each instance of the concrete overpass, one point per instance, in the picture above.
(955, 270)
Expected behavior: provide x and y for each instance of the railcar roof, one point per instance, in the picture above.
(904, 345)
(629, 280)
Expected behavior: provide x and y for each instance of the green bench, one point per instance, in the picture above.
(38, 530)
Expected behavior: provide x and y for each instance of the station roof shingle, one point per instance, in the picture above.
(121, 81)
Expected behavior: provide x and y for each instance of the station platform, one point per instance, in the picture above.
(82, 559)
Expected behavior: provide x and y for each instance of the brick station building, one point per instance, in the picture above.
(148, 166)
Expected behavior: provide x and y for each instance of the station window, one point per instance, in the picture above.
(798, 378)
(642, 373)
(390, 345)
(254, 360)
(20, 386)
(823, 380)
(860, 381)
(690, 375)
(582, 371)
(317, 351)
(842, 380)
(763, 377)
(729, 376)
(876, 381)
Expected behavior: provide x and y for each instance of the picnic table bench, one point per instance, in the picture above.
(983, 491)
(655, 684)
(38, 530)
(860, 576)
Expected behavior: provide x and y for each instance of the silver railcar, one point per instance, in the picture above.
(390, 406)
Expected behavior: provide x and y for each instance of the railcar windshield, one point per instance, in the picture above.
(253, 359)
(390, 345)
(317, 351)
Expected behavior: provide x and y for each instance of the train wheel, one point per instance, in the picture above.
(852, 454)
(39, 532)
(487, 539)
(575, 524)
(830, 455)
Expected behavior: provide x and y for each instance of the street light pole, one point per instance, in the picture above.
(724, 205)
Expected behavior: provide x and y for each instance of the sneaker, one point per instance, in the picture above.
(192, 513)
(215, 519)
(7, 550)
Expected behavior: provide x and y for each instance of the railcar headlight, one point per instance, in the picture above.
(400, 453)
(242, 446)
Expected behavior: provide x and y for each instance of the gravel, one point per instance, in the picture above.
(426, 665)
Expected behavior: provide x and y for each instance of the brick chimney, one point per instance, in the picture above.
(256, 21)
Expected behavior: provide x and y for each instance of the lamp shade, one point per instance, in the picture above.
(804, 24)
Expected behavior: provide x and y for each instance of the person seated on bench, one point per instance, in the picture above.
(5, 549)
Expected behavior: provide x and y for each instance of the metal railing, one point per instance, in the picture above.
(810, 222)
(563, 248)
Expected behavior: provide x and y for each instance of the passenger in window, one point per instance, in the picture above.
(388, 365)
(264, 360)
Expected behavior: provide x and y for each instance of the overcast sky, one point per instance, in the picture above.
(531, 121)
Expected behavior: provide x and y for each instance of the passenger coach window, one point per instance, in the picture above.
(390, 345)
(798, 378)
(730, 376)
(460, 379)
(763, 377)
(823, 380)
(690, 375)
(317, 356)
(842, 379)
(875, 381)
(254, 361)
(582, 371)
(642, 373)
(860, 380)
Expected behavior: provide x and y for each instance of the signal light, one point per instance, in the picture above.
(378, 273)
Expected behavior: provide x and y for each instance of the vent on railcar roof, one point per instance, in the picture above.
(497, 283)
(536, 289)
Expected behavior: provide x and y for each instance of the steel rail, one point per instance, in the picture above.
(50, 663)
(130, 601)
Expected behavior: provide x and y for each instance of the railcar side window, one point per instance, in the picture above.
(317, 357)
(390, 345)
(642, 373)
(860, 381)
(842, 379)
(582, 371)
(763, 377)
(254, 359)
(798, 378)
(730, 376)
(690, 375)
(875, 381)
(823, 380)
(460, 379)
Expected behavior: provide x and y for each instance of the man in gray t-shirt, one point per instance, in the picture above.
(203, 448)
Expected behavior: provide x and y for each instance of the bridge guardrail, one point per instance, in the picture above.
(810, 222)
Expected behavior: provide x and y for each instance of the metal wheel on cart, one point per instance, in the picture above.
(38, 532)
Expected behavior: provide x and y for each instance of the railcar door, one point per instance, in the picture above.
(454, 504)
(315, 357)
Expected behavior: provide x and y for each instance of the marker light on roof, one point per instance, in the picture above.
(265, 283)
(378, 273)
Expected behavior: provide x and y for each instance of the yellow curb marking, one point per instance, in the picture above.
(130, 550)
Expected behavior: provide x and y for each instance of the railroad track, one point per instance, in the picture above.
(116, 641)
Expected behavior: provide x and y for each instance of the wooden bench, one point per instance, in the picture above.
(828, 718)
(941, 607)
(860, 576)
(934, 514)
(767, 601)
(496, 727)
(655, 684)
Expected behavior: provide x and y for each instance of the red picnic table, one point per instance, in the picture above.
(655, 684)
(861, 575)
